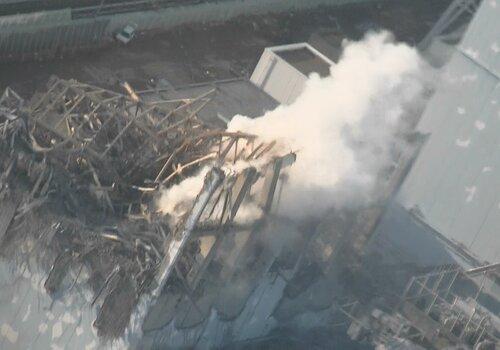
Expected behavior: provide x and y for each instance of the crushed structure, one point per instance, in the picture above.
(82, 168)
(439, 309)
(97, 257)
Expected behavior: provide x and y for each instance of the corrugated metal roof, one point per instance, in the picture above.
(455, 181)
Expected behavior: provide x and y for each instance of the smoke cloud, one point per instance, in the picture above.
(177, 199)
(346, 127)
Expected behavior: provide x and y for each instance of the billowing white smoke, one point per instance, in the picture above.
(344, 127)
(177, 199)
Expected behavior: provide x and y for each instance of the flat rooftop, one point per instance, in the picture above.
(227, 99)
(305, 61)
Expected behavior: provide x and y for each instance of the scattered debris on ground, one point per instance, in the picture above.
(82, 169)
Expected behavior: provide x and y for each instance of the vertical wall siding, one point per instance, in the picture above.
(48, 42)
(213, 11)
(48, 33)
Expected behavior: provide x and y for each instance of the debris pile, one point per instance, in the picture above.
(81, 170)
(442, 308)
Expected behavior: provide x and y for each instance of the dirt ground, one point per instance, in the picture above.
(207, 52)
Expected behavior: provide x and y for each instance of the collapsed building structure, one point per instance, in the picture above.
(81, 169)
(90, 258)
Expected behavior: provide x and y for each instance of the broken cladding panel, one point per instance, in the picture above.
(83, 137)
(174, 249)
(213, 180)
(8, 207)
(58, 272)
(242, 188)
(239, 190)
(10, 102)
(75, 117)
(271, 180)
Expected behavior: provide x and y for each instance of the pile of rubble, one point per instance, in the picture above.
(81, 170)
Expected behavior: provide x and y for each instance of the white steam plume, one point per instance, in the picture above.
(177, 199)
(344, 127)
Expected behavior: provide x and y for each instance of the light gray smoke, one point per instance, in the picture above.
(345, 128)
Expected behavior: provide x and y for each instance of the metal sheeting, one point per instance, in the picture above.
(251, 302)
(27, 34)
(399, 239)
(14, 23)
(482, 40)
(8, 208)
(30, 319)
(455, 181)
(282, 79)
(278, 78)
(212, 11)
(47, 33)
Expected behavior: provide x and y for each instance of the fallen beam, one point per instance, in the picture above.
(213, 180)
(8, 207)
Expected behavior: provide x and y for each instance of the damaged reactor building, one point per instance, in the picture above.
(137, 218)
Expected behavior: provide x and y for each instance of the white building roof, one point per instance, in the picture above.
(455, 181)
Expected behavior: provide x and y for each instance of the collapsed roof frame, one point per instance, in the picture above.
(84, 127)
(434, 293)
(441, 308)
(77, 138)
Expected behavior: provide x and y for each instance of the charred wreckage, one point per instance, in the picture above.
(81, 171)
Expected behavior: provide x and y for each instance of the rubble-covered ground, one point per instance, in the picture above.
(82, 168)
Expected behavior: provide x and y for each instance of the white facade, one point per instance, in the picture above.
(455, 181)
(279, 78)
